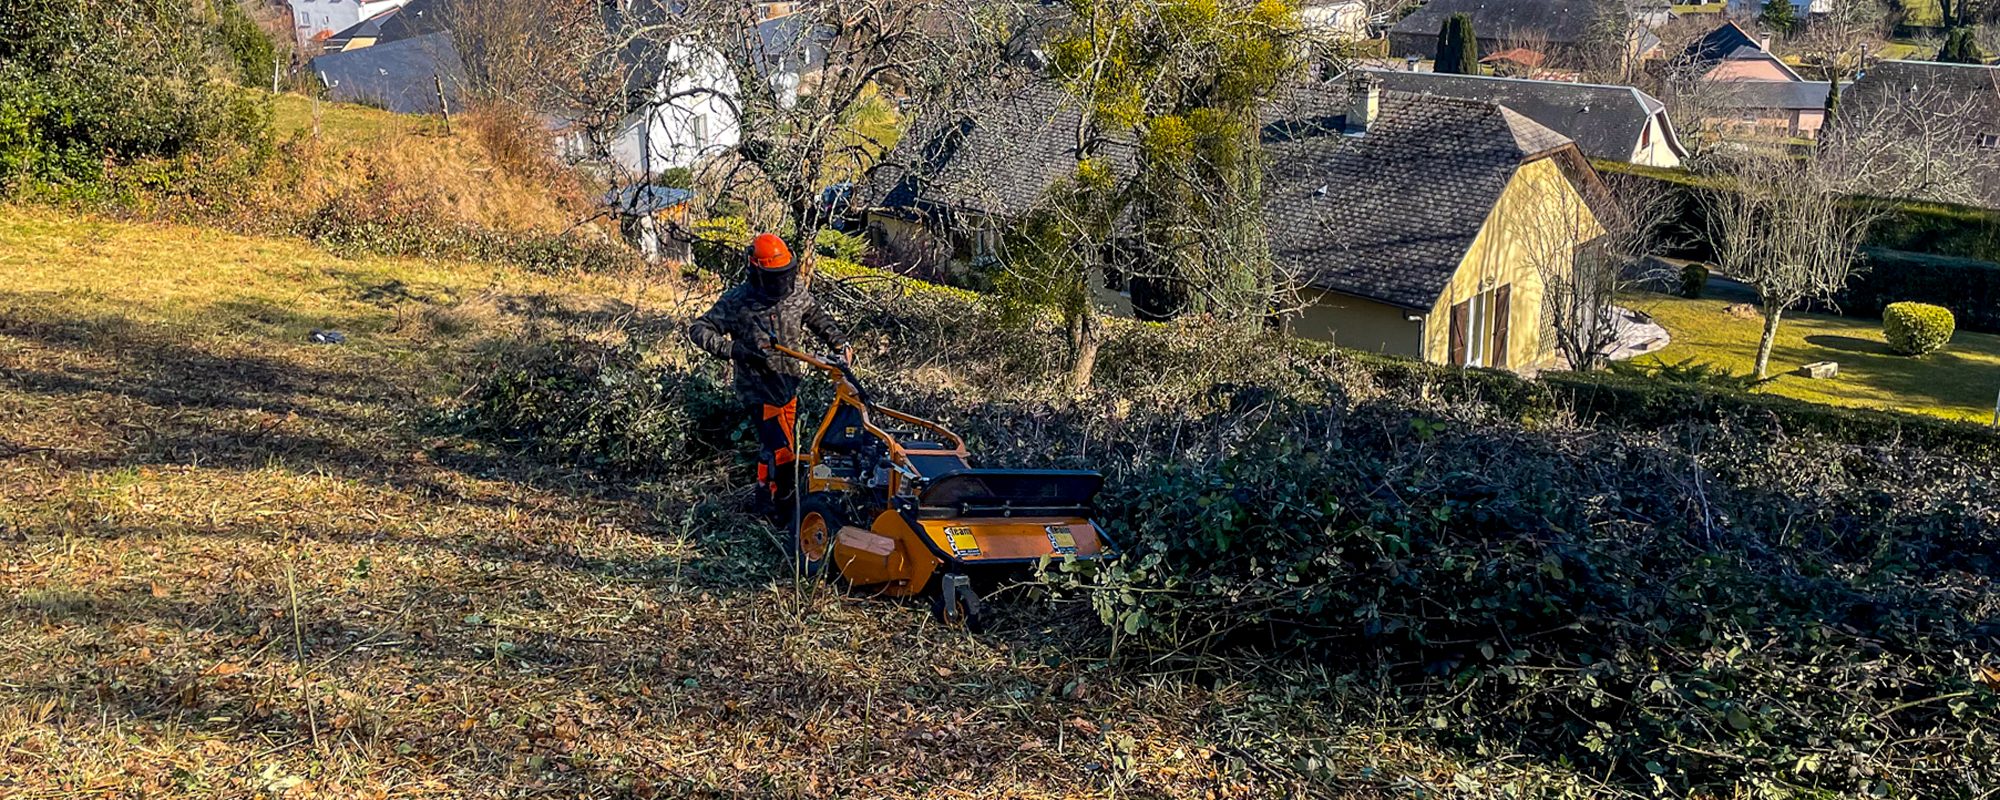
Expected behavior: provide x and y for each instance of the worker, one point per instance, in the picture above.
(741, 329)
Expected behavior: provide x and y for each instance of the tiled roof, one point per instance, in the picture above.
(1565, 22)
(1389, 215)
(1780, 95)
(999, 159)
(401, 76)
(1727, 41)
(1606, 121)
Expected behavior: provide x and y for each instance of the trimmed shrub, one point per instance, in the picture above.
(1916, 329)
(1694, 278)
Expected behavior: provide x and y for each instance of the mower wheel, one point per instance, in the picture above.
(957, 604)
(811, 540)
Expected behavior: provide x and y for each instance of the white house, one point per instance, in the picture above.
(1335, 19)
(679, 120)
(1751, 8)
(315, 20)
(681, 99)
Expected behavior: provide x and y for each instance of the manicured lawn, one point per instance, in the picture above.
(1898, 51)
(1959, 381)
(1923, 13)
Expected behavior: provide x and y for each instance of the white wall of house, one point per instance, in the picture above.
(1754, 7)
(1336, 19)
(310, 18)
(1656, 145)
(688, 119)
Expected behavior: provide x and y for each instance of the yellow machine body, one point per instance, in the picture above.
(926, 510)
(901, 558)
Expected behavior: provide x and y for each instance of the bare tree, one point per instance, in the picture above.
(1791, 227)
(1588, 240)
(793, 86)
(1838, 41)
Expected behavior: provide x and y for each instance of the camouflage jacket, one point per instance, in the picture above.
(746, 315)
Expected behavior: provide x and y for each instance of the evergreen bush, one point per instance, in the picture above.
(1917, 329)
(1694, 279)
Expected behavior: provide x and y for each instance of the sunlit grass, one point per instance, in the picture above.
(1959, 382)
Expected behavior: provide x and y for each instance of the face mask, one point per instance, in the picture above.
(773, 283)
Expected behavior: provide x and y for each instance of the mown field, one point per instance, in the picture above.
(236, 563)
(1962, 381)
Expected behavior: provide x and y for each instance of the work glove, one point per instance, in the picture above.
(744, 353)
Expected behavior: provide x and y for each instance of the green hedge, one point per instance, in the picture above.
(1969, 288)
(1914, 226)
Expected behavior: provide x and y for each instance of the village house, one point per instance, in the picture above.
(1335, 19)
(1415, 224)
(1612, 123)
(678, 97)
(1565, 33)
(1745, 91)
(313, 21)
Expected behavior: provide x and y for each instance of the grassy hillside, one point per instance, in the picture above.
(238, 563)
(483, 170)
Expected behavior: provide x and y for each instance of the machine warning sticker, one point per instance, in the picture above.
(1062, 540)
(961, 541)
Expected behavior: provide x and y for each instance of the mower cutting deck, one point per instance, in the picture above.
(893, 504)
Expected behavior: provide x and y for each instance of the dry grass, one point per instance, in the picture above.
(238, 564)
(482, 173)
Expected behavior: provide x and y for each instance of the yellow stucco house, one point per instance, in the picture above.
(1409, 224)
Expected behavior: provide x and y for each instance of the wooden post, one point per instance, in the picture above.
(443, 106)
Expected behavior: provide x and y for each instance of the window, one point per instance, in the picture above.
(700, 128)
(1479, 329)
(1989, 141)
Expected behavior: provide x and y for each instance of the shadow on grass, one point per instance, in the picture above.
(1849, 344)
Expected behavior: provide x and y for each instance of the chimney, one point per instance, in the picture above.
(1764, 42)
(1364, 102)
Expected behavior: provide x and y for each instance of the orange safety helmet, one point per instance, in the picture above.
(767, 251)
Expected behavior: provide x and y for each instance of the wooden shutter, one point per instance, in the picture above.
(1501, 304)
(1459, 314)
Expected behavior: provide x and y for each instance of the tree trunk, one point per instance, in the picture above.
(1086, 334)
(1772, 313)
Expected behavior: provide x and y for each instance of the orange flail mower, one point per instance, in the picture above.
(892, 503)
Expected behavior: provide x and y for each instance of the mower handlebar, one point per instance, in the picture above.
(836, 367)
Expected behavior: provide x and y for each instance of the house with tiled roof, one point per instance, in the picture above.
(1745, 91)
(1612, 123)
(316, 21)
(1568, 33)
(1414, 224)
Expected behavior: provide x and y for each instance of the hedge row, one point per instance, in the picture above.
(1969, 288)
(1915, 226)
